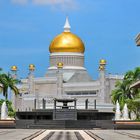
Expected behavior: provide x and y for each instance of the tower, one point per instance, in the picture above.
(14, 71)
(31, 78)
(102, 79)
(59, 79)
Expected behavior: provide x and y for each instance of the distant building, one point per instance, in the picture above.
(138, 40)
(66, 78)
(136, 84)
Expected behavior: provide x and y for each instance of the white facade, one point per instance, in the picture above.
(72, 81)
(52, 87)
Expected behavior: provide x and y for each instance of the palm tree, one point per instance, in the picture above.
(136, 74)
(120, 93)
(0, 81)
(6, 81)
(123, 88)
(1, 85)
(131, 77)
(124, 94)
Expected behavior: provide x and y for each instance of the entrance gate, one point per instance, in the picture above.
(64, 111)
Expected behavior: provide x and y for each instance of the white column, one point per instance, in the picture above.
(59, 82)
(102, 85)
(31, 83)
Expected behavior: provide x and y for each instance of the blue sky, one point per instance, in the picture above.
(107, 27)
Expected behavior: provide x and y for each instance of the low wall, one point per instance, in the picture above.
(127, 124)
(23, 124)
(7, 124)
(64, 124)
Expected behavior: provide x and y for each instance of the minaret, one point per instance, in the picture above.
(67, 26)
(102, 80)
(14, 76)
(14, 71)
(60, 79)
(31, 88)
(31, 78)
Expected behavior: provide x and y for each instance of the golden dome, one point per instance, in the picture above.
(14, 68)
(32, 67)
(60, 65)
(67, 42)
(102, 62)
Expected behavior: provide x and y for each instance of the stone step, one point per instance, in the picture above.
(64, 124)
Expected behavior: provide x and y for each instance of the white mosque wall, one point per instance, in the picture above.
(68, 59)
(47, 88)
(110, 84)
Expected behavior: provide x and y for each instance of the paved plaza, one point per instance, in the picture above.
(36, 134)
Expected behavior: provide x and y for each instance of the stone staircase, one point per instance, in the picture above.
(64, 124)
(65, 114)
(61, 124)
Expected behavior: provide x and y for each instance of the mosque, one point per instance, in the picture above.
(66, 79)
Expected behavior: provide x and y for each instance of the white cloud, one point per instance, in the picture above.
(21, 2)
(63, 4)
(53, 2)
(20, 51)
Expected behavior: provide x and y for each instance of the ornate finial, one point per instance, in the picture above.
(67, 25)
(31, 67)
(14, 68)
(102, 64)
(59, 65)
(14, 71)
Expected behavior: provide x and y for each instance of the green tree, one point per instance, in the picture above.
(124, 94)
(7, 81)
(134, 106)
(119, 94)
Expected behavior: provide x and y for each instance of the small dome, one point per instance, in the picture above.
(67, 42)
(14, 68)
(31, 67)
(60, 65)
(102, 62)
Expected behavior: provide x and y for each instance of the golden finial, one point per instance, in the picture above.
(14, 68)
(31, 67)
(102, 64)
(101, 68)
(59, 65)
